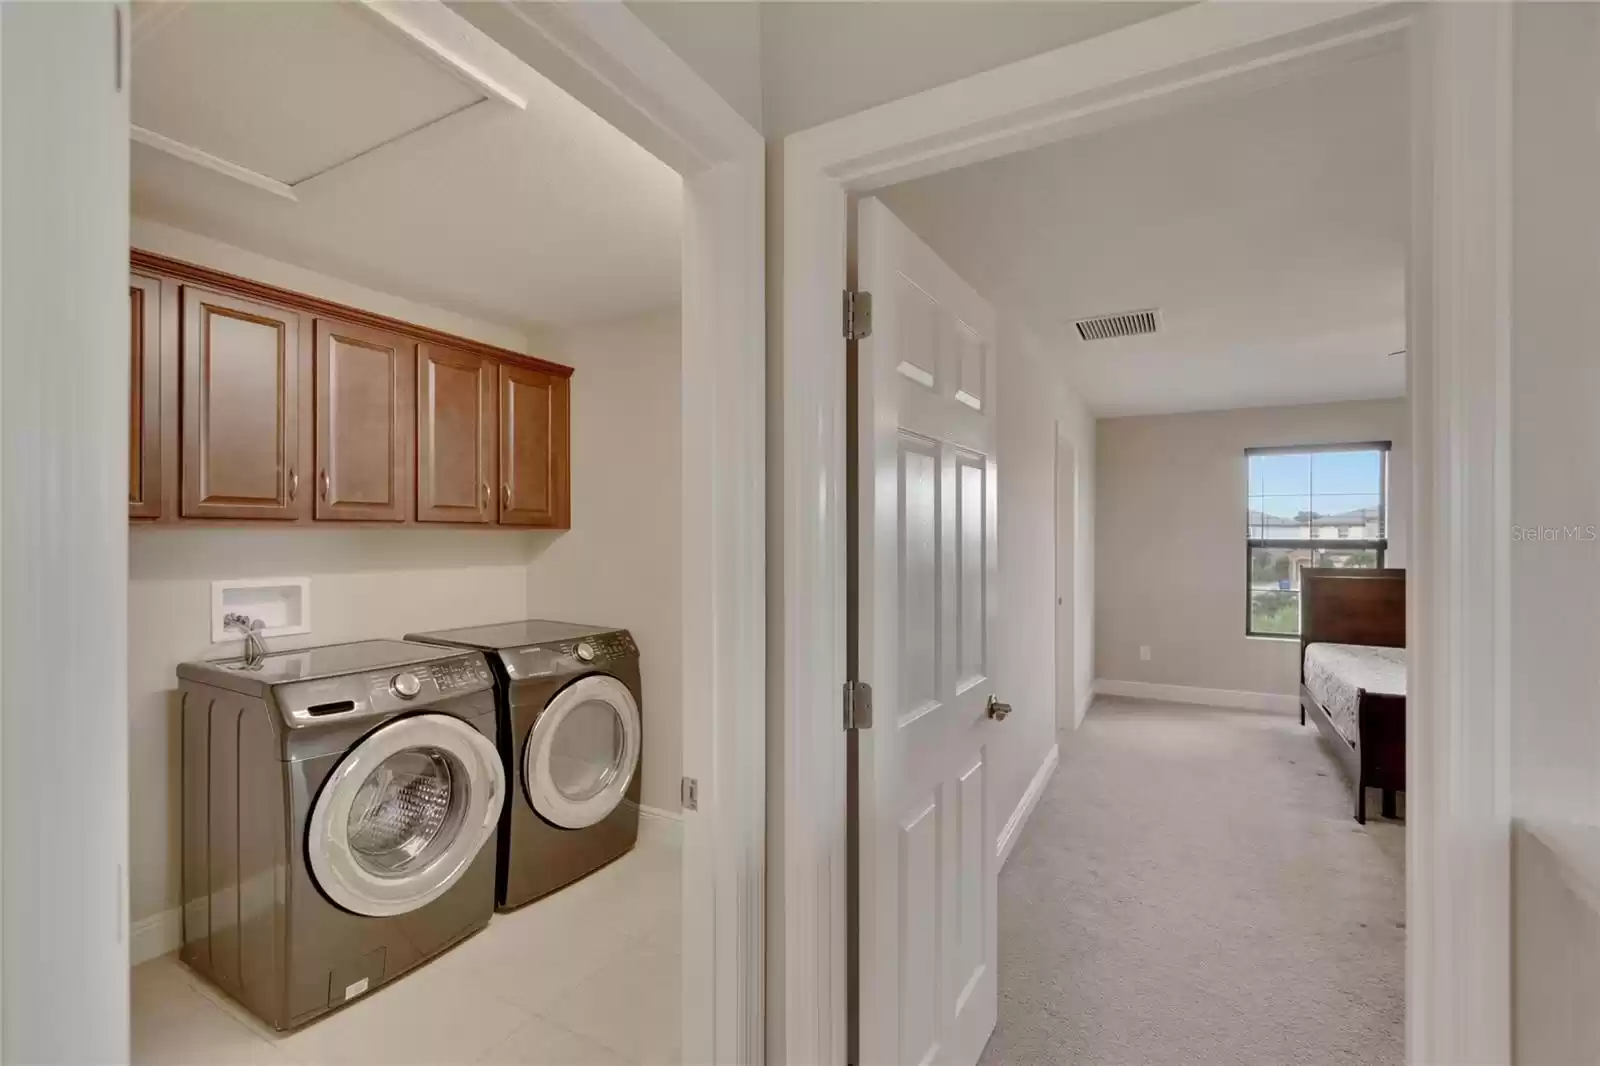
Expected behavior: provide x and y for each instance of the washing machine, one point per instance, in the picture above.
(570, 735)
(337, 807)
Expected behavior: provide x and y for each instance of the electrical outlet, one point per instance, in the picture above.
(1144, 653)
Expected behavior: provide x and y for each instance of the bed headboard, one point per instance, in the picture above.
(1339, 606)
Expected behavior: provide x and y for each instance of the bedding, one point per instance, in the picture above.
(1335, 672)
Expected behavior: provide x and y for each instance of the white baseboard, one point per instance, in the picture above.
(660, 825)
(1211, 697)
(1083, 706)
(155, 936)
(1030, 800)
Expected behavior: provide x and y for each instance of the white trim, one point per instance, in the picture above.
(1458, 840)
(602, 55)
(1457, 1003)
(227, 168)
(457, 44)
(1024, 809)
(1210, 697)
(660, 826)
(156, 935)
(1084, 703)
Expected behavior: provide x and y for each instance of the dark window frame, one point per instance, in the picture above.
(1379, 545)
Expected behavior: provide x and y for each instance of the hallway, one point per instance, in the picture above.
(1193, 889)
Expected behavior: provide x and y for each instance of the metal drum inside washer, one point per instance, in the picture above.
(336, 806)
(571, 737)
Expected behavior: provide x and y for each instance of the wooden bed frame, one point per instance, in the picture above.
(1340, 606)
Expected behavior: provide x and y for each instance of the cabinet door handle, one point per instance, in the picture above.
(294, 484)
(324, 478)
(483, 496)
(505, 495)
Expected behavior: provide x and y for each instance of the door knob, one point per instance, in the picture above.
(997, 710)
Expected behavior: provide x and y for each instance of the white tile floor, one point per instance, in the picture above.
(587, 977)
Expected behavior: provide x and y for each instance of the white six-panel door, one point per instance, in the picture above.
(925, 588)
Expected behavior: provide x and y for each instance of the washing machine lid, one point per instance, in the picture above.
(582, 752)
(404, 814)
(504, 636)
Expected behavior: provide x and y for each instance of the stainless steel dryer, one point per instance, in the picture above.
(336, 804)
(570, 734)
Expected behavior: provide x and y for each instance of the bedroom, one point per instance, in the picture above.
(1221, 292)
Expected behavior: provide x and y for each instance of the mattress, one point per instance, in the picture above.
(1336, 672)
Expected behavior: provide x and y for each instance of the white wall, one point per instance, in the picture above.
(386, 582)
(622, 563)
(1171, 532)
(63, 496)
(1034, 397)
(1554, 622)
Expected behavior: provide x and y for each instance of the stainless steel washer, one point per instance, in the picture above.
(336, 804)
(571, 735)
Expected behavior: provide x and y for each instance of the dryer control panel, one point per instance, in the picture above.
(586, 653)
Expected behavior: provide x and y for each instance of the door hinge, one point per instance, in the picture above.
(857, 705)
(689, 794)
(857, 315)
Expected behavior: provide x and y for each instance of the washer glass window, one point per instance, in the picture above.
(407, 811)
(404, 814)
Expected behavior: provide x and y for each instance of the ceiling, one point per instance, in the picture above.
(788, 65)
(406, 176)
(1268, 228)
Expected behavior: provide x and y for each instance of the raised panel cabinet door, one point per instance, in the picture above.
(241, 403)
(457, 436)
(533, 448)
(144, 399)
(364, 399)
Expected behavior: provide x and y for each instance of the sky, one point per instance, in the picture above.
(1324, 482)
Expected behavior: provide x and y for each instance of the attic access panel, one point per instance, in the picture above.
(288, 90)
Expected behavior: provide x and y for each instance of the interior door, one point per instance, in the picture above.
(241, 408)
(365, 382)
(533, 448)
(926, 601)
(458, 436)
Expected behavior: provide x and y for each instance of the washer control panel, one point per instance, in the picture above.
(382, 691)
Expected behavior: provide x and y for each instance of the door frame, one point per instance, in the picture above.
(1458, 840)
(605, 57)
(1068, 710)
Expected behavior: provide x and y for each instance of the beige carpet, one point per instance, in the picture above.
(1193, 889)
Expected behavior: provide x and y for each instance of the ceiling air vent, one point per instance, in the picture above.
(1125, 324)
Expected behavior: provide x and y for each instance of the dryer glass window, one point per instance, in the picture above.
(407, 811)
(586, 752)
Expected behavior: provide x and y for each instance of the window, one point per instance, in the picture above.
(1311, 506)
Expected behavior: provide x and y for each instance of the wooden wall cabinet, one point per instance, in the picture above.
(458, 436)
(365, 401)
(534, 459)
(144, 409)
(302, 411)
(241, 408)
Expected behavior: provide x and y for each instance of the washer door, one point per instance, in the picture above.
(582, 752)
(403, 815)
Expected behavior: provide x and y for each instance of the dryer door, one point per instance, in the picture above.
(582, 752)
(404, 813)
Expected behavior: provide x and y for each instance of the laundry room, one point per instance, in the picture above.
(479, 278)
